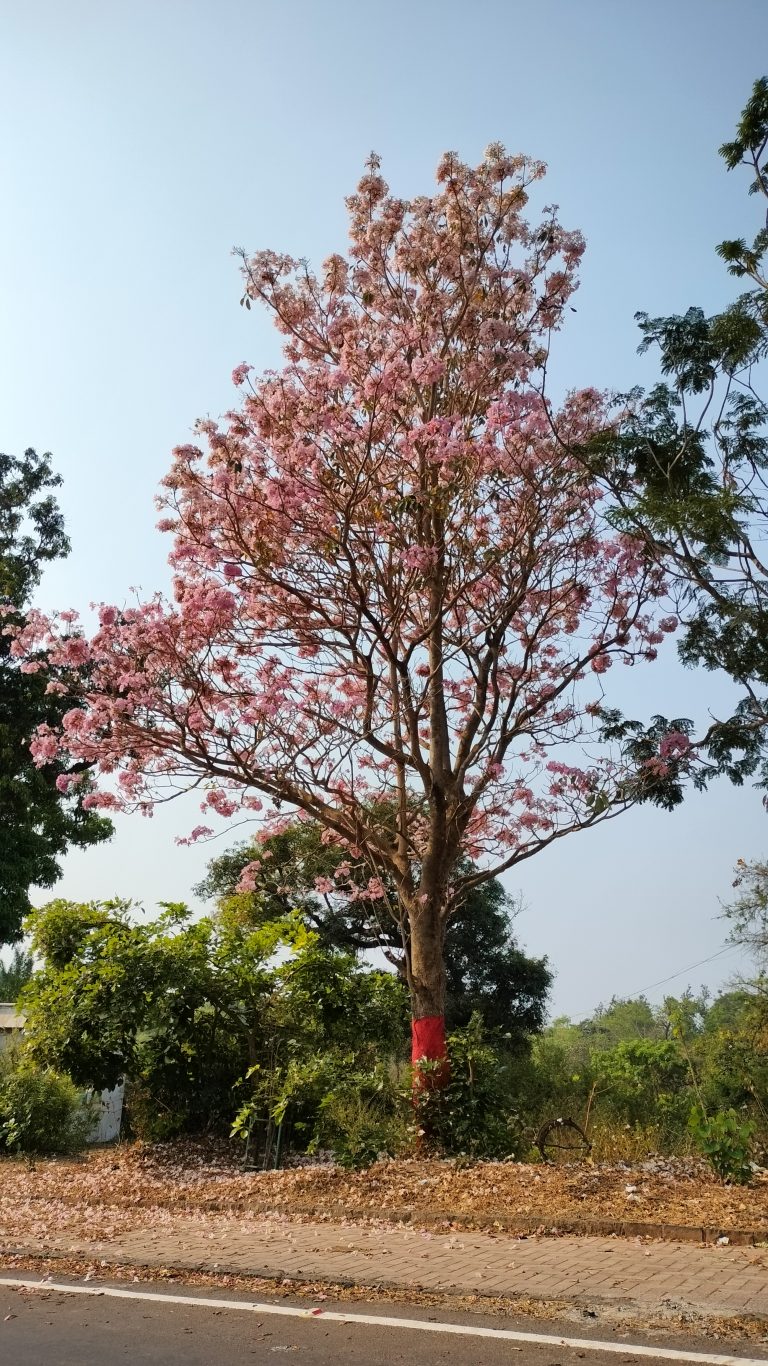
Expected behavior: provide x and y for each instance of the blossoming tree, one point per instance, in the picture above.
(395, 591)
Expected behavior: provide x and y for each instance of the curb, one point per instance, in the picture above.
(524, 1226)
(492, 1222)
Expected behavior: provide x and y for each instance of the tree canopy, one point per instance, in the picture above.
(396, 587)
(687, 463)
(42, 808)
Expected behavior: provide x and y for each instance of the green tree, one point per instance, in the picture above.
(42, 810)
(622, 1021)
(15, 974)
(736, 1057)
(686, 463)
(748, 913)
(486, 970)
(727, 1011)
(187, 1008)
(645, 1081)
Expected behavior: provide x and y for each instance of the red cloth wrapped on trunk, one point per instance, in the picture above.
(428, 1041)
(428, 1038)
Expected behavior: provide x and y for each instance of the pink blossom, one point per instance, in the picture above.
(674, 745)
(656, 767)
(419, 557)
(199, 832)
(248, 880)
(428, 369)
(601, 663)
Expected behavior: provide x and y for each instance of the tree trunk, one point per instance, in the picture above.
(426, 979)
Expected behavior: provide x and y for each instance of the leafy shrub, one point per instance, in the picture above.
(148, 1116)
(474, 1114)
(338, 1100)
(557, 1079)
(201, 1016)
(726, 1140)
(361, 1120)
(41, 1111)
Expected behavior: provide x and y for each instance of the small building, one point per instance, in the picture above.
(11, 1024)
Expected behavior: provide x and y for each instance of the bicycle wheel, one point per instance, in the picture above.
(563, 1140)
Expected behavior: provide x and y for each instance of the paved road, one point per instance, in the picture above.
(50, 1326)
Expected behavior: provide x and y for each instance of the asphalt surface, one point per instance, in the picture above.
(49, 1327)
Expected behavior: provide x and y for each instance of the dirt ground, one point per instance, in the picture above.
(109, 1191)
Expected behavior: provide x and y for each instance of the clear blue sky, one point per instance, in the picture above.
(142, 141)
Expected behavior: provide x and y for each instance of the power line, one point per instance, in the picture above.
(729, 948)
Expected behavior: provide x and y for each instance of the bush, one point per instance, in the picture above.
(41, 1111)
(644, 1081)
(357, 1111)
(474, 1114)
(726, 1140)
(360, 1121)
(147, 1115)
(202, 1016)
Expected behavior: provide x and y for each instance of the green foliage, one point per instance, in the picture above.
(557, 1079)
(474, 1114)
(641, 1078)
(331, 1031)
(38, 822)
(686, 466)
(631, 1073)
(361, 1115)
(725, 1139)
(357, 1127)
(486, 970)
(87, 1004)
(41, 1110)
(221, 1023)
(187, 1009)
(15, 974)
(488, 974)
(622, 1021)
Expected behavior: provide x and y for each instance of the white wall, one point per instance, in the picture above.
(107, 1128)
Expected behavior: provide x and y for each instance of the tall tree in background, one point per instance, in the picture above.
(688, 465)
(297, 870)
(394, 588)
(748, 915)
(40, 817)
(15, 974)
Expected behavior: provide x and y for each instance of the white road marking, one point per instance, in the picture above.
(385, 1321)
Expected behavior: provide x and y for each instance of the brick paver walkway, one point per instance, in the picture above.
(709, 1279)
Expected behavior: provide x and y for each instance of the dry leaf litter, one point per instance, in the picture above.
(109, 1192)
